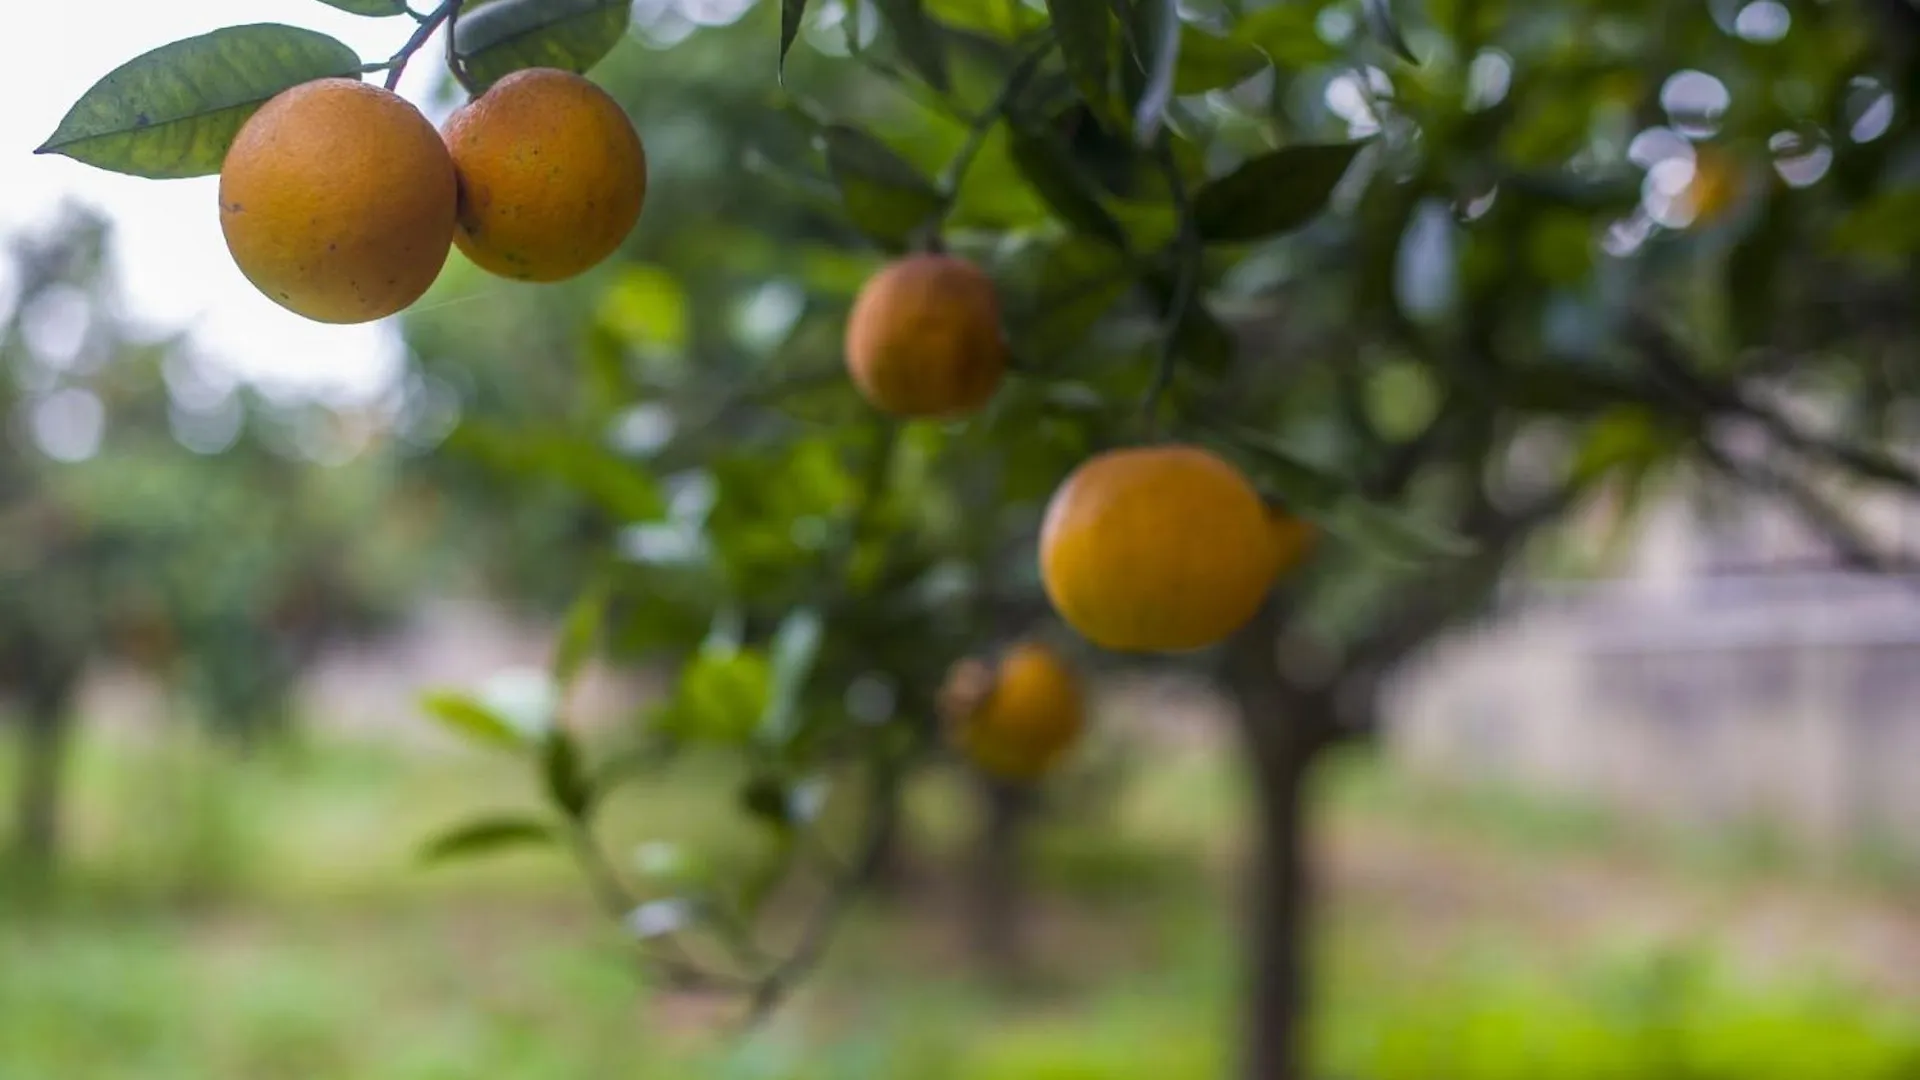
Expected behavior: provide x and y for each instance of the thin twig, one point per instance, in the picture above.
(398, 65)
(817, 934)
(1185, 283)
(1851, 544)
(455, 62)
(982, 125)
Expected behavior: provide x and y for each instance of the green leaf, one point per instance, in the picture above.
(508, 35)
(1884, 226)
(471, 720)
(485, 837)
(791, 12)
(887, 198)
(1333, 503)
(1273, 193)
(1287, 33)
(173, 112)
(1156, 38)
(1084, 31)
(1051, 170)
(1385, 27)
(579, 634)
(796, 645)
(721, 696)
(1393, 535)
(1208, 62)
(377, 9)
(919, 39)
(765, 799)
(565, 776)
(582, 464)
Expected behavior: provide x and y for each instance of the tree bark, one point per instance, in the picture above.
(44, 739)
(1283, 730)
(996, 901)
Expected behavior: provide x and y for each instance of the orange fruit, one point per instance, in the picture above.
(1160, 549)
(552, 175)
(337, 201)
(1018, 719)
(923, 339)
(1716, 186)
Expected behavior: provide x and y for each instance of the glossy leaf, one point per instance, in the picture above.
(1336, 505)
(919, 39)
(796, 645)
(565, 775)
(486, 837)
(1385, 27)
(1156, 34)
(471, 720)
(887, 198)
(173, 112)
(1287, 33)
(791, 13)
(1305, 487)
(1084, 31)
(578, 635)
(1272, 193)
(377, 9)
(1393, 535)
(1208, 62)
(508, 35)
(1050, 169)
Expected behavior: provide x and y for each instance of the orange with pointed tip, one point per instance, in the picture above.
(1162, 549)
(337, 201)
(924, 339)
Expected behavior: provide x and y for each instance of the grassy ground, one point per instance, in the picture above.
(266, 920)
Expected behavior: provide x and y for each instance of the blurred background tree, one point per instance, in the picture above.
(157, 515)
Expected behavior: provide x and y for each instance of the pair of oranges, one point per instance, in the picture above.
(1163, 548)
(340, 201)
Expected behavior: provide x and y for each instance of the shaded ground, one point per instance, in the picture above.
(266, 921)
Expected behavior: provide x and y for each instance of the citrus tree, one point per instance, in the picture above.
(153, 519)
(1258, 339)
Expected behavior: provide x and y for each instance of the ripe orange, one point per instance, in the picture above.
(1017, 720)
(1716, 186)
(1160, 549)
(923, 339)
(552, 175)
(337, 201)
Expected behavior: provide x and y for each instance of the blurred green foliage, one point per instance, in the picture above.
(156, 515)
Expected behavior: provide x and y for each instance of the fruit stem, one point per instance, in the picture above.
(448, 10)
(455, 62)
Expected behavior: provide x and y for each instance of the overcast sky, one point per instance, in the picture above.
(172, 263)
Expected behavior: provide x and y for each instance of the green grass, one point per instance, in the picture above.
(266, 919)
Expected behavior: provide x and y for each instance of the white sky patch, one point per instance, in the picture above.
(170, 258)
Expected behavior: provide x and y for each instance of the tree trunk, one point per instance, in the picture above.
(44, 737)
(884, 870)
(996, 900)
(1282, 730)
